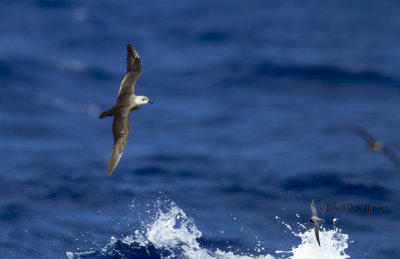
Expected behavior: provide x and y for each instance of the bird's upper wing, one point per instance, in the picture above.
(121, 133)
(316, 229)
(392, 156)
(361, 132)
(314, 211)
(133, 72)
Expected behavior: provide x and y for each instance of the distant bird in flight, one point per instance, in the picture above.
(375, 145)
(315, 220)
(127, 102)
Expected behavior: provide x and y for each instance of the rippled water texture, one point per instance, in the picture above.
(250, 99)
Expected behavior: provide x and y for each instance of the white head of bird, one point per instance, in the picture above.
(142, 100)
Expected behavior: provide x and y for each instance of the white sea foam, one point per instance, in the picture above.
(333, 243)
(171, 230)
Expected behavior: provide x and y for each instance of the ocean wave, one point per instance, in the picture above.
(172, 234)
(338, 185)
(324, 73)
(5, 70)
(29, 69)
(333, 242)
(257, 71)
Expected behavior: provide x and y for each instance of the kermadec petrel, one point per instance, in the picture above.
(315, 220)
(375, 145)
(127, 102)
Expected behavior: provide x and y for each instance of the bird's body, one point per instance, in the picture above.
(376, 146)
(315, 220)
(127, 102)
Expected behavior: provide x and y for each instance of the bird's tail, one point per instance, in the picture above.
(107, 113)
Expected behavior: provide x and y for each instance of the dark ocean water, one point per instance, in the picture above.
(250, 99)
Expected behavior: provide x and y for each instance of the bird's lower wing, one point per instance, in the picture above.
(317, 233)
(392, 157)
(116, 153)
(121, 133)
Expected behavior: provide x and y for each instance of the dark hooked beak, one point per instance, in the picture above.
(149, 102)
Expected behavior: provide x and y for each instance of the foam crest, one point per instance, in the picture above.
(174, 231)
(170, 233)
(333, 243)
(173, 228)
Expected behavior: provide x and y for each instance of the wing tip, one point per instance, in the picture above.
(129, 47)
(112, 165)
(132, 50)
(111, 168)
(115, 156)
(133, 60)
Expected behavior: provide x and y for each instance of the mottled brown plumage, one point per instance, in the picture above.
(127, 102)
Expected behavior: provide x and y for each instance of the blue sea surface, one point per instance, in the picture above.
(250, 100)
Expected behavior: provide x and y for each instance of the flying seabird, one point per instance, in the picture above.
(375, 145)
(127, 102)
(315, 220)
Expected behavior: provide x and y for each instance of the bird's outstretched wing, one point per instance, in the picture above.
(314, 211)
(121, 133)
(133, 72)
(316, 229)
(391, 156)
(361, 133)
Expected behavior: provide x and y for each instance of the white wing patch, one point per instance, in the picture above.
(122, 83)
